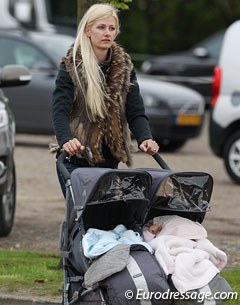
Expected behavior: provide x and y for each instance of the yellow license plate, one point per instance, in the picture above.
(189, 119)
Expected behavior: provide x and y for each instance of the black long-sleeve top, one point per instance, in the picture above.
(62, 101)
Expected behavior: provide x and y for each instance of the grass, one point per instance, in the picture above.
(31, 273)
(233, 278)
(37, 274)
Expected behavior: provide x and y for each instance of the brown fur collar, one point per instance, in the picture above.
(113, 129)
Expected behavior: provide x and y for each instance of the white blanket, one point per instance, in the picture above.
(193, 264)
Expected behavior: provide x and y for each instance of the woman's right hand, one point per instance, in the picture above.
(73, 146)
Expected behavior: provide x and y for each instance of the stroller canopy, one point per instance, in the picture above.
(186, 194)
(98, 185)
(109, 197)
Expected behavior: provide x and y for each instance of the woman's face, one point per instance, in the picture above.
(102, 33)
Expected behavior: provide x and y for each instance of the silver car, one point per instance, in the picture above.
(9, 76)
(175, 112)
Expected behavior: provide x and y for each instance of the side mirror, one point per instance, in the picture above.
(14, 75)
(200, 52)
(22, 11)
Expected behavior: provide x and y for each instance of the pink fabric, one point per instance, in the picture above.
(193, 264)
(148, 236)
(180, 226)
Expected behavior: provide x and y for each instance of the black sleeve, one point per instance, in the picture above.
(62, 100)
(135, 112)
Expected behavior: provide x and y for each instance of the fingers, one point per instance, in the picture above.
(73, 146)
(149, 146)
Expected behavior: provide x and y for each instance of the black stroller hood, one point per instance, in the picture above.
(112, 196)
(98, 185)
(185, 194)
(109, 197)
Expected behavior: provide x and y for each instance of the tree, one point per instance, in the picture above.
(83, 5)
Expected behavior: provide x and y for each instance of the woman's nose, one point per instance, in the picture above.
(107, 31)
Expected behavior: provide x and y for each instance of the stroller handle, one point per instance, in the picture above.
(66, 174)
(61, 167)
(160, 161)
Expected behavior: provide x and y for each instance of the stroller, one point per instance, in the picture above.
(103, 198)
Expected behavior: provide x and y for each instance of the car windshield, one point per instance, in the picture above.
(213, 44)
(57, 45)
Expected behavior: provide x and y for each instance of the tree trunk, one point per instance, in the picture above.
(83, 5)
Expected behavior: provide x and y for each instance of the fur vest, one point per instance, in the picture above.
(113, 130)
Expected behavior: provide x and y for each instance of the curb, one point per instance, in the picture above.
(13, 300)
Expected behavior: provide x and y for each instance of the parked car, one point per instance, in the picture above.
(40, 15)
(175, 112)
(224, 132)
(193, 68)
(41, 53)
(9, 76)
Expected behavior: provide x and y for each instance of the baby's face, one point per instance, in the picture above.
(155, 228)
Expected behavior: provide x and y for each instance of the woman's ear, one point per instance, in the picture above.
(87, 31)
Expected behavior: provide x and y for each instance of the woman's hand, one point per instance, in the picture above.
(149, 146)
(73, 146)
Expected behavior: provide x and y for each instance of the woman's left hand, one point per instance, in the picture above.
(149, 146)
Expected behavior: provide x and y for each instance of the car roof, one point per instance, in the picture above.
(55, 45)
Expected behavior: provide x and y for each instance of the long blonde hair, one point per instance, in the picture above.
(95, 93)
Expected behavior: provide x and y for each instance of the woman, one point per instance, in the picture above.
(97, 99)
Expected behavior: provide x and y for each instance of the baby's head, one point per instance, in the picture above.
(155, 228)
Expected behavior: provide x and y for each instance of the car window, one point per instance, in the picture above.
(56, 45)
(213, 44)
(21, 53)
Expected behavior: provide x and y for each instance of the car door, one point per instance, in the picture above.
(31, 105)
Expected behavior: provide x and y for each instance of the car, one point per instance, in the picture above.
(41, 53)
(193, 68)
(9, 76)
(175, 112)
(224, 126)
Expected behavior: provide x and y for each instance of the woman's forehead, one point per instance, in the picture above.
(106, 20)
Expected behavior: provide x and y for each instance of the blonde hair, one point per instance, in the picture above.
(95, 93)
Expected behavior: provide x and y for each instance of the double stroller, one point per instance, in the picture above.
(102, 199)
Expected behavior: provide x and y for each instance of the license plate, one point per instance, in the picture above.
(189, 119)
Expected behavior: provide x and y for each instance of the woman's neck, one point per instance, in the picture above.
(101, 55)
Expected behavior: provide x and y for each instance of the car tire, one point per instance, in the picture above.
(170, 145)
(231, 157)
(8, 205)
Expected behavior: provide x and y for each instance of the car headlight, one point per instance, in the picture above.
(3, 118)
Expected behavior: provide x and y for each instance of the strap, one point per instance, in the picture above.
(138, 279)
(207, 291)
(77, 278)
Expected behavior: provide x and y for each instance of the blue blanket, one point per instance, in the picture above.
(97, 242)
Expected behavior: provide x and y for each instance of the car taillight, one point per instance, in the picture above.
(216, 85)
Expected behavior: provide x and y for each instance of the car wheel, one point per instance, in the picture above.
(170, 145)
(7, 205)
(232, 157)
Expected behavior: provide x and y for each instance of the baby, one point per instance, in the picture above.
(173, 225)
(151, 232)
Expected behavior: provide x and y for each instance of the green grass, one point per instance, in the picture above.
(37, 274)
(33, 272)
(233, 278)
